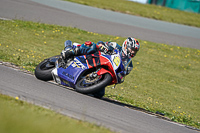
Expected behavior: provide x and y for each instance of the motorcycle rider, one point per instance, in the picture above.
(128, 50)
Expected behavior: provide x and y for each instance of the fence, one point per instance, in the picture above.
(186, 5)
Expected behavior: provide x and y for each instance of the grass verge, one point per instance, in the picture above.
(21, 117)
(145, 10)
(165, 78)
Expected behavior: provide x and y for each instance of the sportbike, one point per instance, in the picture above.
(87, 74)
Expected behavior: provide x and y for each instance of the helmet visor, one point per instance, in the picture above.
(132, 52)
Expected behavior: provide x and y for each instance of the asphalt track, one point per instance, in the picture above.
(68, 102)
(100, 21)
(114, 116)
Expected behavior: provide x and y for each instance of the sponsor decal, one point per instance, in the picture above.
(68, 75)
(65, 82)
(78, 64)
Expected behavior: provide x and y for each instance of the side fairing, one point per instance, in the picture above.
(70, 75)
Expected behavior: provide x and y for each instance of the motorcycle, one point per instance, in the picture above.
(87, 74)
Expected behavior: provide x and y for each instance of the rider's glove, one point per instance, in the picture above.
(104, 49)
(110, 46)
(67, 54)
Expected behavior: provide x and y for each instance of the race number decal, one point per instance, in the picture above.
(116, 60)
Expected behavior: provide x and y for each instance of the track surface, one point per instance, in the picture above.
(71, 103)
(68, 102)
(100, 21)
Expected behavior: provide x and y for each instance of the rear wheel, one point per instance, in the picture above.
(93, 84)
(43, 70)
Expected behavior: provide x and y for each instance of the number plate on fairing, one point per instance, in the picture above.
(116, 61)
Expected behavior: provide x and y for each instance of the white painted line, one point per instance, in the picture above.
(5, 18)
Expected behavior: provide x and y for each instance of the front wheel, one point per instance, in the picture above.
(87, 85)
(43, 70)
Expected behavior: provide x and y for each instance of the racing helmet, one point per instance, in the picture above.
(130, 44)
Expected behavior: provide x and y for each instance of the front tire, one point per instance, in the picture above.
(95, 87)
(99, 94)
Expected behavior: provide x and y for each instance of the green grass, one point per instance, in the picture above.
(165, 78)
(145, 10)
(20, 117)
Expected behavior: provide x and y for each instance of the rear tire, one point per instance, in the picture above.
(43, 70)
(95, 88)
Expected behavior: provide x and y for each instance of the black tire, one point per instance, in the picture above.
(106, 80)
(99, 94)
(43, 72)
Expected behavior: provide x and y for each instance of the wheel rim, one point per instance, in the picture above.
(87, 81)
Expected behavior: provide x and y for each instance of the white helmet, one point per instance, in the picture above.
(130, 44)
